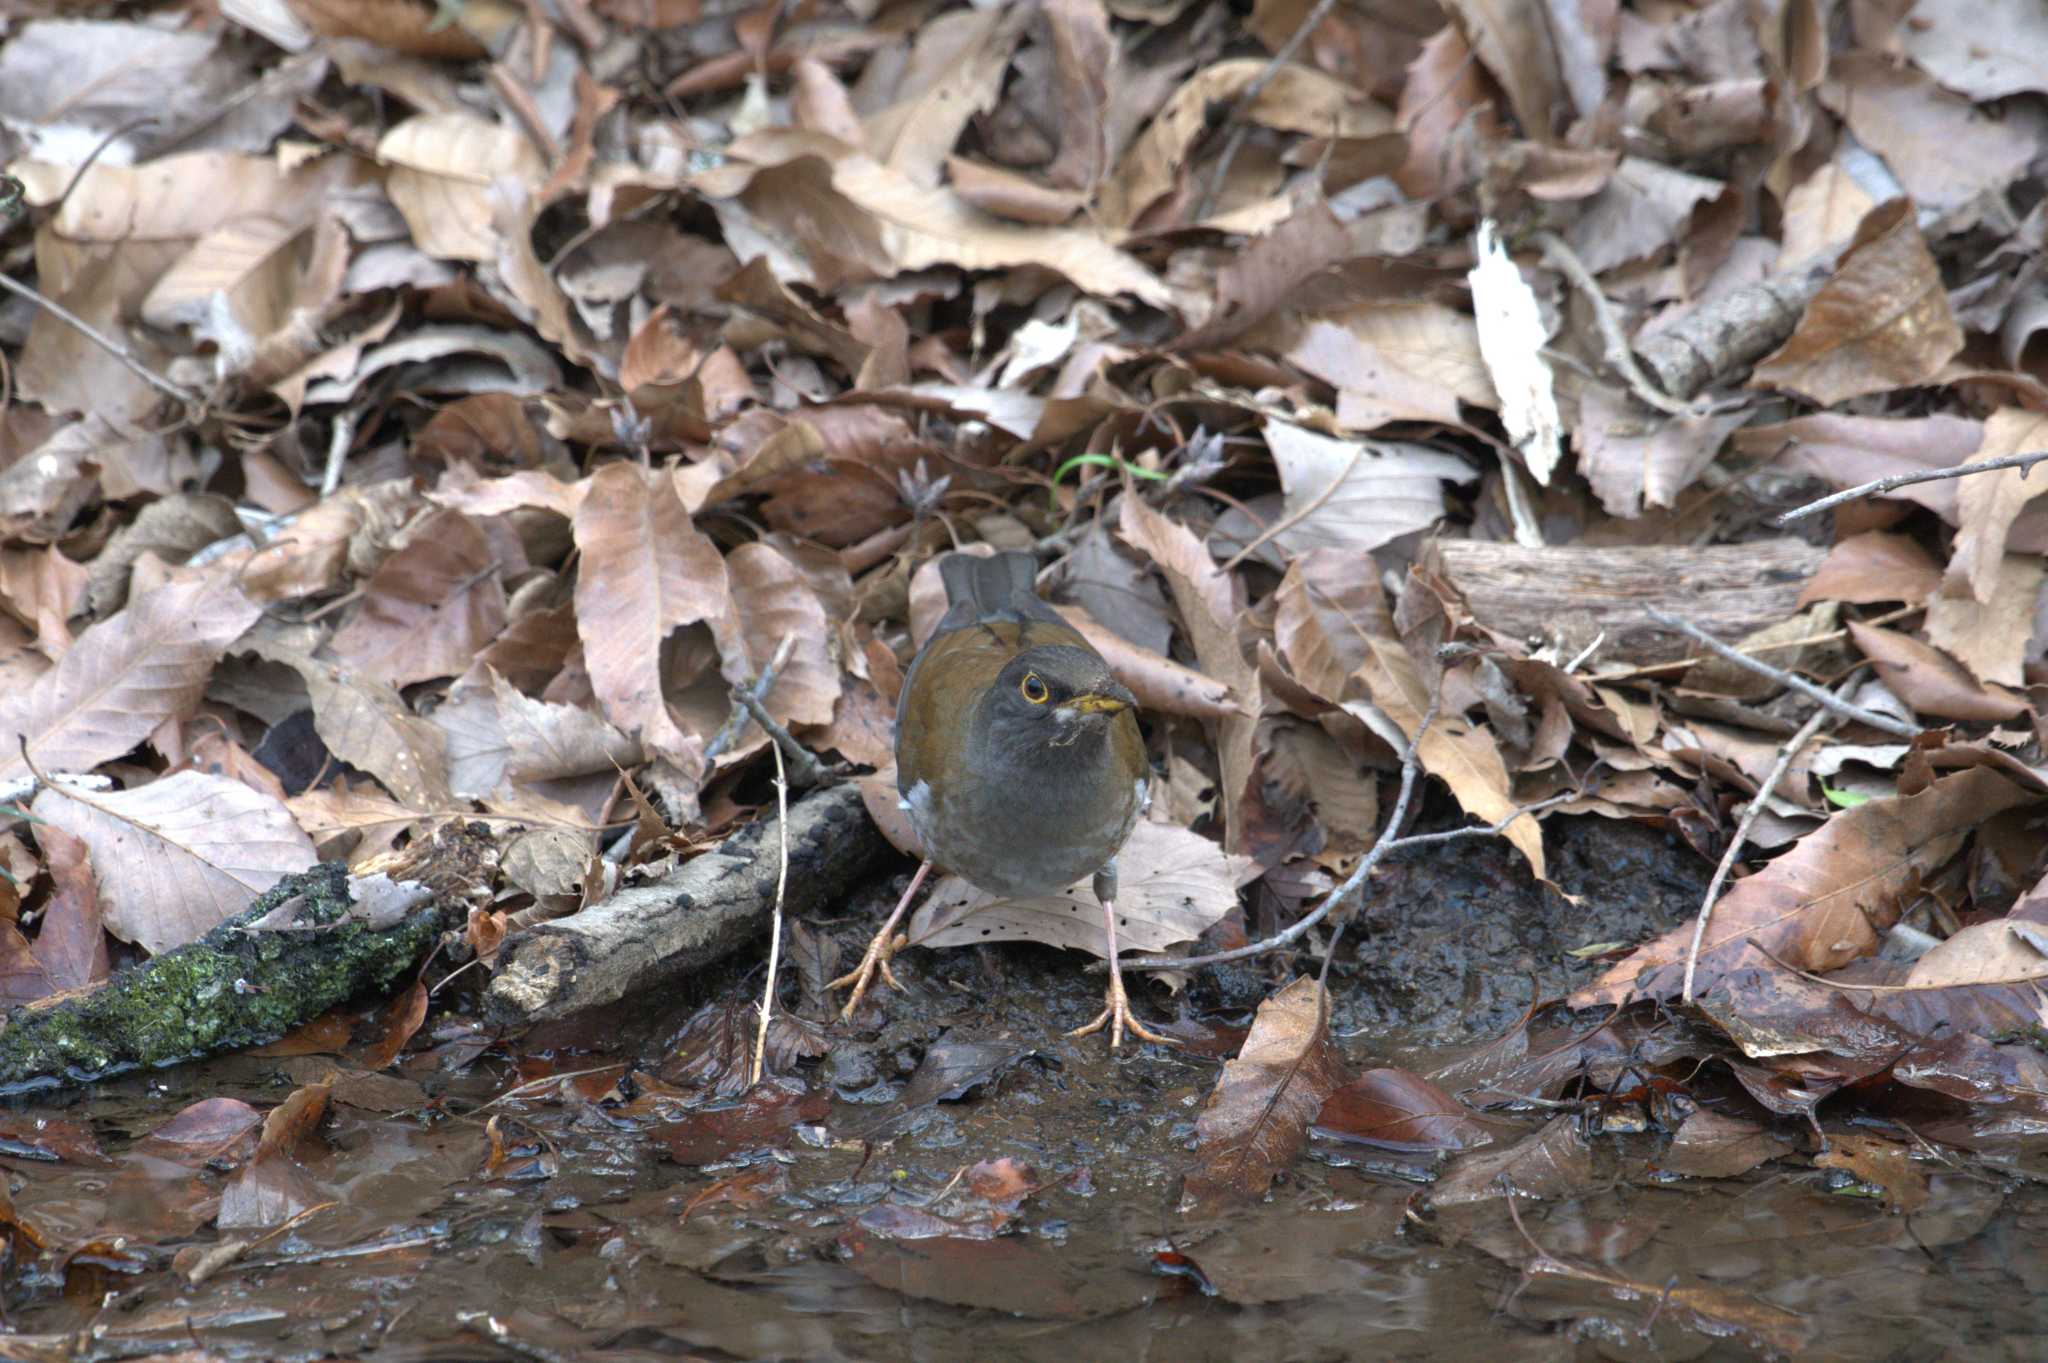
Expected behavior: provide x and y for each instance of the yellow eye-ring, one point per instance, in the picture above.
(1034, 689)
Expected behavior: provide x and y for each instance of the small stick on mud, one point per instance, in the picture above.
(775, 920)
(1818, 695)
(1786, 756)
(1877, 486)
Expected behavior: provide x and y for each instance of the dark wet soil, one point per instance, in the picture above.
(965, 1182)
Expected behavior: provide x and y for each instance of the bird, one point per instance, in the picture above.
(1018, 761)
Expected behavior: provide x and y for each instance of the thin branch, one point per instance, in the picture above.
(750, 701)
(775, 924)
(1774, 646)
(1898, 480)
(1818, 695)
(1620, 355)
(763, 684)
(1411, 762)
(1250, 94)
(104, 342)
(806, 769)
(1294, 518)
(1786, 756)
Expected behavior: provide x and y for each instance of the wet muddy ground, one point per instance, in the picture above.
(963, 1181)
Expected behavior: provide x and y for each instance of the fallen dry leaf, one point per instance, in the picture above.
(1881, 322)
(179, 855)
(1257, 1118)
(1824, 903)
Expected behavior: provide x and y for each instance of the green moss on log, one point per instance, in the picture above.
(229, 990)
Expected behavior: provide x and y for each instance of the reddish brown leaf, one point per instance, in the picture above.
(1257, 1119)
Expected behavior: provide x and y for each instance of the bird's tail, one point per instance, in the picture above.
(992, 583)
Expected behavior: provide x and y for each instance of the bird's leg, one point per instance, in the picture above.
(879, 950)
(1116, 1013)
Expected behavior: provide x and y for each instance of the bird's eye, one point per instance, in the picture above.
(1034, 689)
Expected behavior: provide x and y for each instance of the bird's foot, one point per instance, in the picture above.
(874, 962)
(1117, 1016)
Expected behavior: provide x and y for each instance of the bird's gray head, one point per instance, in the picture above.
(1054, 695)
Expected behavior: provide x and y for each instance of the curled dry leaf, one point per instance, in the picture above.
(441, 169)
(181, 854)
(368, 725)
(1338, 638)
(1345, 494)
(771, 598)
(1257, 1119)
(1395, 361)
(1159, 683)
(71, 944)
(1171, 885)
(1209, 608)
(1874, 566)
(2000, 951)
(1987, 504)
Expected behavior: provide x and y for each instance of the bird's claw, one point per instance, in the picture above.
(1117, 1016)
(875, 961)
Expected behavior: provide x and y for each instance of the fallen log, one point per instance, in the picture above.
(706, 909)
(236, 987)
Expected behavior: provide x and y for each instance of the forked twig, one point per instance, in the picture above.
(1411, 763)
(103, 341)
(1882, 485)
(1620, 354)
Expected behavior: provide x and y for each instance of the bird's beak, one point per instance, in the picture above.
(1095, 703)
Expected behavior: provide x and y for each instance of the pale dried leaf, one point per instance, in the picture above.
(179, 855)
(1171, 885)
(125, 676)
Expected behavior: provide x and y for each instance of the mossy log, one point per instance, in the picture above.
(231, 989)
(707, 908)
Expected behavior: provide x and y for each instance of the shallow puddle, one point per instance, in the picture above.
(1016, 1196)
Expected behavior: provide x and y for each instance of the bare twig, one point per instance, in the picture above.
(1294, 518)
(1786, 756)
(806, 770)
(751, 702)
(1411, 763)
(763, 684)
(338, 440)
(1774, 646)
(1620, 355)
(774, 923)
(1818, 695)
(1897, 480)
(1237, 118)
(103, 341)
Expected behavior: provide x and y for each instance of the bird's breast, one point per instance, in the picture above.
(1013, 832)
